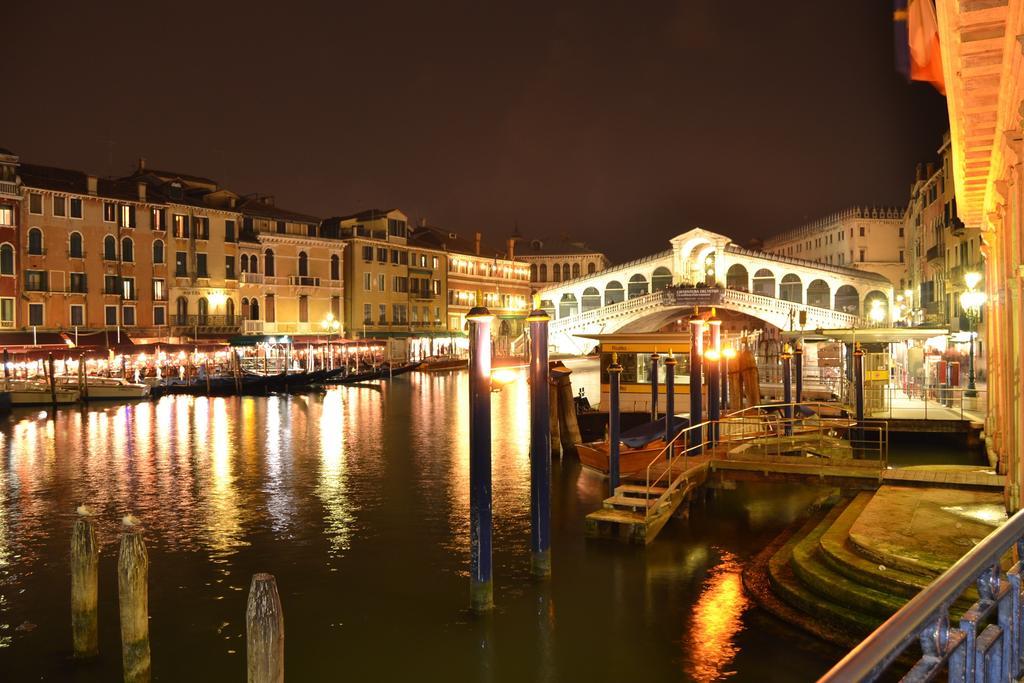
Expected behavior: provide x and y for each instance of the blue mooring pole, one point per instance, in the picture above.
(858, 394)
(481, 586)
(714, 366)
(540, 446)
(654, 386)
(696, 353)
(614, 370)
(725, 378)
(670, 394)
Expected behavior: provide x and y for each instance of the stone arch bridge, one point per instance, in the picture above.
(706, 269)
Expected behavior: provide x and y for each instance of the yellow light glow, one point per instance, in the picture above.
(729, 352)
(503, 376)
(217, 299)
(972, 279)
(711, 355)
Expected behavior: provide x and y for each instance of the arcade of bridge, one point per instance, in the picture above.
(701, 256)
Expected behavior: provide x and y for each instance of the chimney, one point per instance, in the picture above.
(511, 249)
(929, 169)
(423, 222)
(142, 163)
(142, 192)
(476, 244)
(91, 184)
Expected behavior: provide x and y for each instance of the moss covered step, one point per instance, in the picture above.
(821, 579)
(842, 556)
(789, 587)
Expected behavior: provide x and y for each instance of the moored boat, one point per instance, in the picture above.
(32, 393)
(104, 388)
(638, 448)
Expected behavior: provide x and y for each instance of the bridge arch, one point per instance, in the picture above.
(847, 300)
(548, 307)
(637, 286)
(791, 288)
(819, 294)
(738, 277)
(876, 300)
(660, 278)
(764, 282)
(613, 293)
(568, 305)
(591, 299)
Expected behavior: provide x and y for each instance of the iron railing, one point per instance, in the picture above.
(994, 654)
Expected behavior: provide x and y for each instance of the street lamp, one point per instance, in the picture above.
(971, 302)
(877, 313)
(331, 325)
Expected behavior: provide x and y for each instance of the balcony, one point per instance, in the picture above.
(6, 324)
(250, 278)
(934, 253)
(261, 327)
(303, 281)
(9, 189)
(208, 323)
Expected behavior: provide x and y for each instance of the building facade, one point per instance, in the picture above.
(941, 249)
(868, 239)
(290, 269)
(10, 211)
(480, 275)
(556, 260)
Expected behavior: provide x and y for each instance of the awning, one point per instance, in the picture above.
(100, 338)
(870, 334)
(32, 340)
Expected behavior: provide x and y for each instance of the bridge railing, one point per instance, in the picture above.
(995, 654)
(771, 304)
(880, 280)
(608, 271)
(626, 306)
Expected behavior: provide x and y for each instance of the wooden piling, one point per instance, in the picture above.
(133, 596)
(556, 442)
(85, 558)
(568, 427)
(264, 631)
(53, 379)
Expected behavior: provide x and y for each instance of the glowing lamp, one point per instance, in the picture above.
(972, 279)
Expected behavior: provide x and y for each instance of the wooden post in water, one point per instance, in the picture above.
(540, 446)
(654, 386)
(206, 371)
(85, 559)
(714, 366)
(133, 596)
(798, 362)
(568, 425)
(787, 388)
(696, 356)
(264, 631)
(556, 440)
(858, 389)
(670, 394)
(53, 379)
(481, 585)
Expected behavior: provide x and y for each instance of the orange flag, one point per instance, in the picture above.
(923, 35)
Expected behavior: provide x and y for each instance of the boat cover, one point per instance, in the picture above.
(640, 436)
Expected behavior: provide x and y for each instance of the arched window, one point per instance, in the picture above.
(158, 251)
(268, 263)
(229, 311)
(847, 300)
(876, 307)
(637, 286)
(575, 270)
(181, 308)
(660, 278)
(254, 264)
(245, 302)
(548, 307)
(764, 282)
(591, 299)
(533, 272)
(819, 294)
(303, 264)
(565, 271)
(791, 289)
(568, 306)
(335, 267)
(254, 309)
(6, 259)
(543, 273)
(204, 310)
(244, 264)
(109, 248)
(556, 273)
(127, 250)
(591, 268)
(75, 245)
(737, 277)
(613, 293)
(35, 242)
(271, 309)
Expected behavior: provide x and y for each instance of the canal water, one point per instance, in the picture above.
(357, 500)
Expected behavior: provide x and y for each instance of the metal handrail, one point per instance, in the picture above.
(926, 618)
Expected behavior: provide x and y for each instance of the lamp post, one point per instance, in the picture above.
(331, 325)
(971, 301)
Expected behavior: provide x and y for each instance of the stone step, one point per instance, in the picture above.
(791, 589)
(639, 491)
(842, 556)
(821, 579)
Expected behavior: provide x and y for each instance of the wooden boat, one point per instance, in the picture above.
(437, 363)
(33, 393)
(638, 447)
(104, 388)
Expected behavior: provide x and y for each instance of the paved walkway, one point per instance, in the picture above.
(905, 407)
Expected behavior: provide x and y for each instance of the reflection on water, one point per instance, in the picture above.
(717, 618)
(357, 499)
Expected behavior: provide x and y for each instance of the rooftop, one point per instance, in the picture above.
(557, 246)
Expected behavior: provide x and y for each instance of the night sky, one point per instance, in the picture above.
(619, 123)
